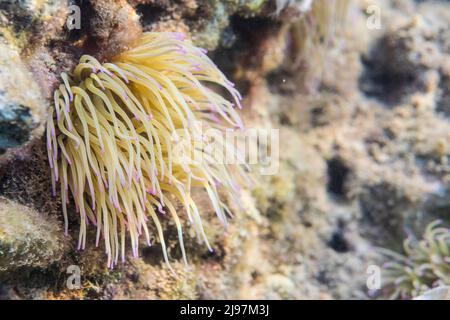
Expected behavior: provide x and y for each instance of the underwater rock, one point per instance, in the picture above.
(400, 61)
(360, 162)
(301, 5)
(27, 239)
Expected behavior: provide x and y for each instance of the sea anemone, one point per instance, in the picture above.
(311, 36)
(112, 135)
(424, 265)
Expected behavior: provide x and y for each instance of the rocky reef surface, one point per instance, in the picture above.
(364, 147)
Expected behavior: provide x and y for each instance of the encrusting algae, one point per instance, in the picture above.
(112, 134)
(424, 265)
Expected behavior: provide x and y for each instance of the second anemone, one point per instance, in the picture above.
(112, 132)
